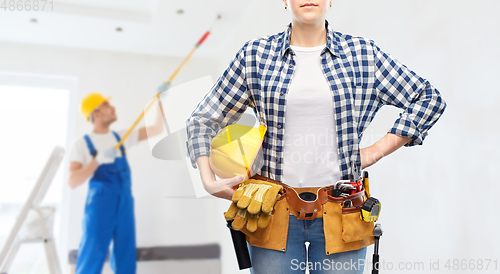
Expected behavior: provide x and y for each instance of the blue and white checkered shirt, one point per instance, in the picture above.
(362, 78)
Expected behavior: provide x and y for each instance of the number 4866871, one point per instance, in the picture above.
(27, 5)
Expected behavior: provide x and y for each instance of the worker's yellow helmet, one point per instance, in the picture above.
(90, 103)
(236, 150)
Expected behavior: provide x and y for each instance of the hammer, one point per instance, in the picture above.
(377, 232)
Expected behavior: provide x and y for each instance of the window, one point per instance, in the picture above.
(34, 120)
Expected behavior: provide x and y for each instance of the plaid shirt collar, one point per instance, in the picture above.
(332, 41)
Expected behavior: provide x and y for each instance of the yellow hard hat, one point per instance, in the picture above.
(236, 150)
(90, 103)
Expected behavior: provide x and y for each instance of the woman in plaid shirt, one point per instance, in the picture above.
(327, 86)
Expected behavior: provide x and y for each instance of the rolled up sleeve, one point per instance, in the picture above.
(398, 86)
(223, 105)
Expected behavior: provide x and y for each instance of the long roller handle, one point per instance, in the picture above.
(165, 86)
(137, 121)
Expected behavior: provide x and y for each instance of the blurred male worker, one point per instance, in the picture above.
(109, 209)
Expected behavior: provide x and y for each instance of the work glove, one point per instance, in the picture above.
(107, 156)
(162, 88)
(253, 203)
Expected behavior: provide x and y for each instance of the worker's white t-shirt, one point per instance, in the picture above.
(311, 156)
(102, 142)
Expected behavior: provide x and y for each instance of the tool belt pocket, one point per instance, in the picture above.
(353, 227)
(274, 236)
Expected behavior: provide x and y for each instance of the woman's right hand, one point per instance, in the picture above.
(222, 188)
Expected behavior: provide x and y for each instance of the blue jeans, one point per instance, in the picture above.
(297, 258)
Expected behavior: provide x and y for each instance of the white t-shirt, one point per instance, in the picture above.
(311, 156)
(102, 142)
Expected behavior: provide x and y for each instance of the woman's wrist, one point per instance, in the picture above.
(383, 147)
(370, 155)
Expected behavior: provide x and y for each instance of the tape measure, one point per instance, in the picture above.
(370, 210)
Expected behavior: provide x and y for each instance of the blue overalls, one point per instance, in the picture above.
(109, 215)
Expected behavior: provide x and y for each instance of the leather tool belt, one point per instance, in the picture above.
(306, 202)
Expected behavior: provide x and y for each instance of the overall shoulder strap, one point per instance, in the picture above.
(122, 148)
(90, 145)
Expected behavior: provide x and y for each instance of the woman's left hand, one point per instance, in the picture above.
(385, 146)
(370, 156)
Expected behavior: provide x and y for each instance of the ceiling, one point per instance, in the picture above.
(147, 26)
(156, 27)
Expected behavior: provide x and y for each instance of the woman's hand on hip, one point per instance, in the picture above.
(383, 147)
(370, 156)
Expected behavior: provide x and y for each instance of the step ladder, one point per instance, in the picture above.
(34, 223)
